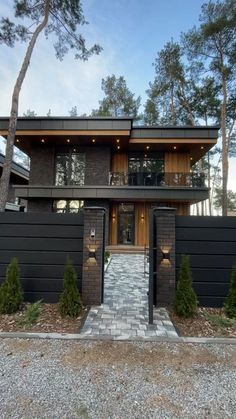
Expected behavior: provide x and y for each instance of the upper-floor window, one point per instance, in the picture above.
(70, 168)
(150, 162)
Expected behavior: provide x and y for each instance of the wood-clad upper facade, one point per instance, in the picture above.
(109, 162)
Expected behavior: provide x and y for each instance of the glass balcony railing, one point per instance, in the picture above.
(192, 180)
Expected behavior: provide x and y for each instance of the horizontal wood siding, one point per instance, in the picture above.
(41, 242)
(210, 243)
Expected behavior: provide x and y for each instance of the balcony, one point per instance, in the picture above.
(190, 180)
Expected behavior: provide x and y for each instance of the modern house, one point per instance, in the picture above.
(112, 163)
(19, 176)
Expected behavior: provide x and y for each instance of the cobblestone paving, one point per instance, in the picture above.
(124, 314)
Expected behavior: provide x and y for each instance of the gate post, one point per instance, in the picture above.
(93, 255)
(165, 254)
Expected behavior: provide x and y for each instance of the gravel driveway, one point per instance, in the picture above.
(65, 379)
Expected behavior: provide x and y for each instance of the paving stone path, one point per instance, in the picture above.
(124, 314)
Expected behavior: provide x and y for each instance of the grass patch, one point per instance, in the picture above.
(220, 321)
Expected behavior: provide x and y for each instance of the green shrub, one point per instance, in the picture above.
(70, 302)
(31, 314)
(106, 256)
(11, 293)
(230, 301)
(220, 321)
(185, 301)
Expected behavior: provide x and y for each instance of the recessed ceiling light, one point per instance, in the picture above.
(191, 158)
(68, 140)
(202, 148)
(43, 140)
(17, 140)
(174, 147)
(147, 148)
(117, 140)
(93, 140)
(145, 155)
(118, 147)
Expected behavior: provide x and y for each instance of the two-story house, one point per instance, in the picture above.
(112, 163)
(20, 176)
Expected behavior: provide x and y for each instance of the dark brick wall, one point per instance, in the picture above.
(165, 240)
(42, 165)
(97, 165)
(40, 205)
(92, 279)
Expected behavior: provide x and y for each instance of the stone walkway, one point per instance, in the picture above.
(124, 314)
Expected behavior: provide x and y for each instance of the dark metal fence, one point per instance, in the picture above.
(211, 244)
(41, 242)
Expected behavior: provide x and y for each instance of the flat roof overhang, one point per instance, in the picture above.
(120, 193)
(19, 174)
(83, 131)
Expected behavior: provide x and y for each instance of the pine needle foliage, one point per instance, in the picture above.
(185, 301)
(230, 301)
(11, 293)
(70, 302)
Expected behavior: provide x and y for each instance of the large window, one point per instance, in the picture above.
(65, 205)
(70, 168)
(150, 162)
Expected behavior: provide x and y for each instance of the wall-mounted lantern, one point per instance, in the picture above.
(92, 254)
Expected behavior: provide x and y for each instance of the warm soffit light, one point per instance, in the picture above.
(93, 140)
(117, 140)
(202, 148)
(42, 141)
(68, 140)
(191, 158)
(147, 148)
(17, 140)
(174, 147)
(118, 147)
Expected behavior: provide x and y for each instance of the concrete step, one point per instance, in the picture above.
(127, 249)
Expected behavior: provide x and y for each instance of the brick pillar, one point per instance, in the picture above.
(93, 269)
(165, 241)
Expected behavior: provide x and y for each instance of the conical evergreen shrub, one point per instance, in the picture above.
(11, 293)
(70, 302)
(230, 301)
(185, 301)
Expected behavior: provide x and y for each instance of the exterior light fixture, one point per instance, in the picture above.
(68, 140)
(17, 140)
(142, 217)
(147, 147)
(191, 158)
(113, 217)
(145, 155)
(118, 147)
(93, 140)
(117, 140)
(174, 147)
(165, 254)
(92, 254)
(202, 148)
(43, 140)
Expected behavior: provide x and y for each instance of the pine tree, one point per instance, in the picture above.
(230, 301)
(11, 293)
(185, 302)
(70, 302)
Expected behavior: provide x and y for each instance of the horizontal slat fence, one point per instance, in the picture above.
(210, 243)
(41, 242)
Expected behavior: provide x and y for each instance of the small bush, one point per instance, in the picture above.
(11, 293)
(185, 301)
(220, 321)
(70, 302)
(31, 314)
(230, 301)
(106, 256)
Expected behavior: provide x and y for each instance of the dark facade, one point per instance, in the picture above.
(110, 163)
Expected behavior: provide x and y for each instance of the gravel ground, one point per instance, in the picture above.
(82, 379)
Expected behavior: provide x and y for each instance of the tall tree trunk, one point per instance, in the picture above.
(225, 164)
(6, 172)
(209, 182)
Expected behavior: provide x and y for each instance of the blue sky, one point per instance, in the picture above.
(131, 33)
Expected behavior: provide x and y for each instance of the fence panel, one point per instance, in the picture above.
(41, 242)
(210, 243)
